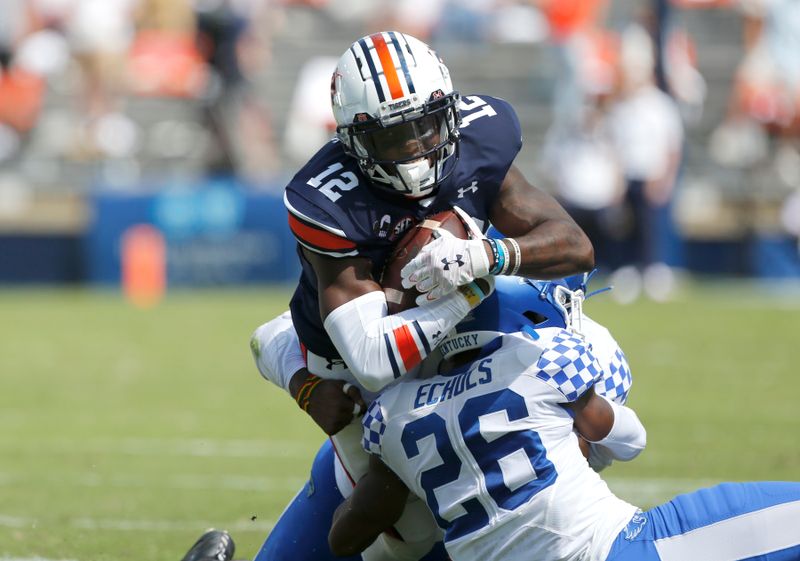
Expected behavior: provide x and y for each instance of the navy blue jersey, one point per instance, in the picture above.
(334, 211)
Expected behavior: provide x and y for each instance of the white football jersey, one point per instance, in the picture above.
(493, 452)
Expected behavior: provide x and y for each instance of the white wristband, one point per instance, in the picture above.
(517, 256)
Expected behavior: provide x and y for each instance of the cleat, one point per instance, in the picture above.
(214, 545)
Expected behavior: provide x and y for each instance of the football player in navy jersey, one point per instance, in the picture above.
(407, 146)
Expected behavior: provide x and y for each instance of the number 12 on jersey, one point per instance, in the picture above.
(512, 463)
(332, 188)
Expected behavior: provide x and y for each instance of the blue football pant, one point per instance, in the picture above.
(729, 522)
(301, 533)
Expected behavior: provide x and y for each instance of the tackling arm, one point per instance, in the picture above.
(279, 359)
(376, 504)
(614, 428)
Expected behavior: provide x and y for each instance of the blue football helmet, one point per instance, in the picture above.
(518, 305)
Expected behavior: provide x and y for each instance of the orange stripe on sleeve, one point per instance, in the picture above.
(389, 70)
(407, 347)
(319, 238)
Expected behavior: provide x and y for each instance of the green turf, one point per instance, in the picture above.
(126, 432)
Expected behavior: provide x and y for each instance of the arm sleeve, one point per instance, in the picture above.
(276, 350)
(627, 437)
(378, 348)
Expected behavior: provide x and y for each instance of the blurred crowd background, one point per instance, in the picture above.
(669, 129)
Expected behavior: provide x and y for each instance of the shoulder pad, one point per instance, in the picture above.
(568, 365)
(617, 379)
(497, 111)
(491, 136)
(316, 230)
(374, 426)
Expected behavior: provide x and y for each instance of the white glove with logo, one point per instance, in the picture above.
(447, 262)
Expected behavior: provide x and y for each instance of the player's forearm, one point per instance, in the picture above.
(554, 249)
(552, 245)
(379, 348)
(627, 437)
(352, 530)
(377, 503)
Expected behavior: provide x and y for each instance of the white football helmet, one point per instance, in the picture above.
(395, 111)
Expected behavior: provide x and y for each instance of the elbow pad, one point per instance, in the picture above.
(276, 350)
(627, 437)
(377, 347)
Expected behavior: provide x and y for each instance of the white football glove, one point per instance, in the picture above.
(447, 262)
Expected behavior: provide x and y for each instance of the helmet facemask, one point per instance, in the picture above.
(405, 151)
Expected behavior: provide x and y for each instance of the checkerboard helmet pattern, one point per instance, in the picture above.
(616, 382)
(374, 427)
(568, 365)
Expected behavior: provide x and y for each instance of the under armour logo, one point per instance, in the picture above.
(472, 188)
(337, 362)
(457, 261)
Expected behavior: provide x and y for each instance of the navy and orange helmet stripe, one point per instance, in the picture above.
(387, 66)
(403, 64)
(376, 79)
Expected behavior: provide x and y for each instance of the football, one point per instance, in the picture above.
(407, 248)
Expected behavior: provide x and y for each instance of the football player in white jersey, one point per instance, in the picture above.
(302, 530)
(490, 444)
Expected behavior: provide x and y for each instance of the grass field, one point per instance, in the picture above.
(125, 433)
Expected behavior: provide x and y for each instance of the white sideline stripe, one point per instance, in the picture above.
(235, 483)
(167, 525)
(31, 559)
(646, 492)
(196, 447)
(741, 537)
(183, 481)
(14, 521)
(140, 525)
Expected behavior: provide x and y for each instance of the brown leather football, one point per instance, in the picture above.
(407, 248)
